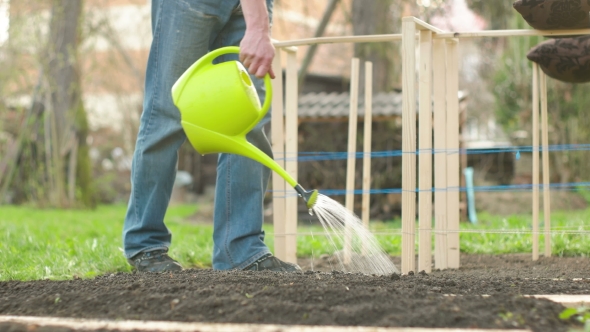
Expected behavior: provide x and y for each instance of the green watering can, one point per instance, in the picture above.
(218, 106)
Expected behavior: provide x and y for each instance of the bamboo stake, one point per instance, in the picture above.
(339, 40)
(425, 157)
(368, 136)
(512, 33)
(437, 35)
(535, 161)
(351, 161)
(278, 147)
(440, 158)
(545, 140)
(423, 26)
(453, 171)
(291, 128)
(408, 145)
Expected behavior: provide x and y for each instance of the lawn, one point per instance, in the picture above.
(64, 244)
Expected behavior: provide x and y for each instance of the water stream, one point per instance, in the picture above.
(355, 247)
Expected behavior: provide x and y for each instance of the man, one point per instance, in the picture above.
(183, 31)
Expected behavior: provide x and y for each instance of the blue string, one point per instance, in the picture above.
(573, 186)
(517, 150)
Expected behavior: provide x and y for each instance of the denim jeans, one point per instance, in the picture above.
(183, 31)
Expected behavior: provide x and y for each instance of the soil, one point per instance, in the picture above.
(450, 298)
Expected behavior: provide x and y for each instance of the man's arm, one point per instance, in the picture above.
(256, 49)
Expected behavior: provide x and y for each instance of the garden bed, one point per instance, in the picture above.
(487, 292)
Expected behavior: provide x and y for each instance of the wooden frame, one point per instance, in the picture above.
(284, 139)
(438, 98)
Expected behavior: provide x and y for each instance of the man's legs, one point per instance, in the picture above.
(241, 182)
(181, 35)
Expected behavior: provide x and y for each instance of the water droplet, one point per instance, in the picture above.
(517, 155)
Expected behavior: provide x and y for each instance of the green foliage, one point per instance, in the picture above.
(512, 79)
(584, 192)
(496, 13)
(63, 244)
(580, 314)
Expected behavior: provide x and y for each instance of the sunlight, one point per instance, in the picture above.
(4, 20)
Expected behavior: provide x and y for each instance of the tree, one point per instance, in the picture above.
(50, 156)
(377, 17)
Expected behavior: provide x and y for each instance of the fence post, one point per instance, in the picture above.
(535, 144)
(453, 171)
(278, 147)
(425, 156)
(408, 144)
(440, 155)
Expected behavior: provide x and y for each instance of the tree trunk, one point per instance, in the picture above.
(377, 17)
(64, 90)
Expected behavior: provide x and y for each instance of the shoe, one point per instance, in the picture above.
(271, 263)
(154, 261)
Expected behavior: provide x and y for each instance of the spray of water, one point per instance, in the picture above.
(355, 246)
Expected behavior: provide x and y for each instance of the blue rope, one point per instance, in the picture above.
(517, 150)
(320, 156)
(574, 186)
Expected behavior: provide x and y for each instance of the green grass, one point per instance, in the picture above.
(491, 235)
(562, 243)
(61, 244)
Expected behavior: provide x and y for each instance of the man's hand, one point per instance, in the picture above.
(256, 49)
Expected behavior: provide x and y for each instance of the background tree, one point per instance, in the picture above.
(509, 76)
(67, 121)
(377, 17)
(49, 162)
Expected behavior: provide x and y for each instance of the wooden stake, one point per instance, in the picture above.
(453, 171)
(367, 139)
(291, 129)
(440, 156)
(535, 183)
(512, 33)
(546, 188)
(278, 148)
(351, 162)
(425, 157)
(338, 40)
(408, 144)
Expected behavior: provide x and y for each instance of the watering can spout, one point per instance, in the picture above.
(310, 197)
(219, 105)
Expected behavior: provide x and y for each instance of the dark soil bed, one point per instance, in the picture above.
(451, 298)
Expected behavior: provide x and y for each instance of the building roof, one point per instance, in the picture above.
(336, 105)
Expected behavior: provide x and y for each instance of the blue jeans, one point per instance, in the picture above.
(183, 31)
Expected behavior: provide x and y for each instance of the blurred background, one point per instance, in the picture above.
(71, 89)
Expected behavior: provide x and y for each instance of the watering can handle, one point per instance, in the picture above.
(267, 82)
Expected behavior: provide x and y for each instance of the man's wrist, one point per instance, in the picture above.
(256, 15)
